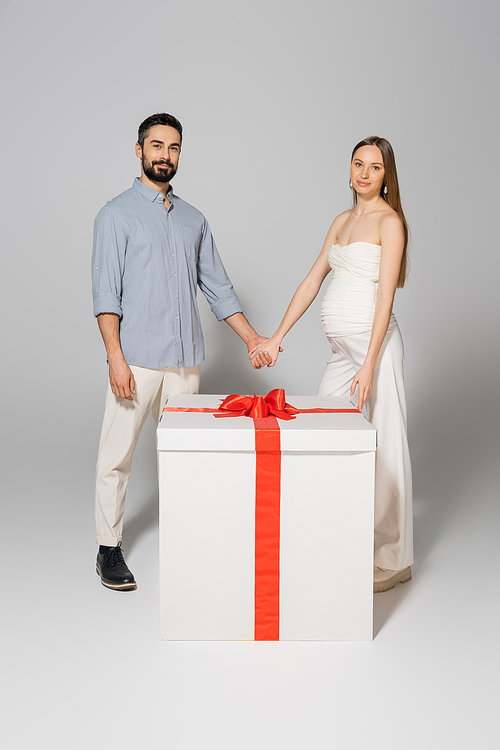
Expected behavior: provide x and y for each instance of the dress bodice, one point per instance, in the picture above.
(357, 259)
(348, 306)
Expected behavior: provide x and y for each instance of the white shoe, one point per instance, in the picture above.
(384, 579)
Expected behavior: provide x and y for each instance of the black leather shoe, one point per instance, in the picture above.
(113, 570)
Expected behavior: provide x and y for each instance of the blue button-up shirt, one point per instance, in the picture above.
(147, 262)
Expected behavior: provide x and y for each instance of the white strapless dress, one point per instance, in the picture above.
(347, 312)
(348, 306)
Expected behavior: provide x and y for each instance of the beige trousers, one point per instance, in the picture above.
(121, 427)
(386, 410)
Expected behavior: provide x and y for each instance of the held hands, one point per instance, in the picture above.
(265, 353)
(364, 380)
(255, 343)
(121, 378)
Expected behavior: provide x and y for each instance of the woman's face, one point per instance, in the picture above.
(367, 171)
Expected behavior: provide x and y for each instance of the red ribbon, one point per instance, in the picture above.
(267, 529)
(259, 407)
(265, 410)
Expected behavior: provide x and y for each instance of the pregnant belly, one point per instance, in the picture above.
(348, 307)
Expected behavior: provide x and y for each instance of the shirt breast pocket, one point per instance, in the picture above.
(190, 238)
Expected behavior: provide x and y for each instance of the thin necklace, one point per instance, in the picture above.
(358, 216)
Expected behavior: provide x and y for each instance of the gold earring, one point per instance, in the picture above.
(350, 183)
(385, 189)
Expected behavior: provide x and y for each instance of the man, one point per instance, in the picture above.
(151, 251)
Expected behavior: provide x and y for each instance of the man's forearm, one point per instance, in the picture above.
(242, 327)
(249, 335)
(109, 326)
(121, 378)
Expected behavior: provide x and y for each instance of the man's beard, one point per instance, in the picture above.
(158, 175)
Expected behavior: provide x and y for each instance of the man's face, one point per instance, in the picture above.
(160, 154)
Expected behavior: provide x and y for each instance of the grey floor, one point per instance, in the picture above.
(84, 667)
(273, 96)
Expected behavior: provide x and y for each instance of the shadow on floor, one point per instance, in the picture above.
(144, 520)
(450, 445)
(386, 603)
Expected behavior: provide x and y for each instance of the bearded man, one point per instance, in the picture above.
(151, 250)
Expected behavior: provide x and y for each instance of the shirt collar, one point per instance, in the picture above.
(150, 193)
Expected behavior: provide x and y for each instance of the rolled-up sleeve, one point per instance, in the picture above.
(108, 261)
(213, 279)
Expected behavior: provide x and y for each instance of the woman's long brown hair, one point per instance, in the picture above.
(392, 197)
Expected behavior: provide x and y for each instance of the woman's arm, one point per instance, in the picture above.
(301, 300)
(392, 241)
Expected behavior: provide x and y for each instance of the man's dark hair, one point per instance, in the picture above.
(162, 118)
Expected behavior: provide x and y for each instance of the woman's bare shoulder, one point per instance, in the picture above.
(335, 228)
(390, 219)
(340, 220)
(390, 226)
(388, 210)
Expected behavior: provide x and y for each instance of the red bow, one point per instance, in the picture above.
(258, 407)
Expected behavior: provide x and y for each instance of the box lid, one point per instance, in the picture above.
(308, 433)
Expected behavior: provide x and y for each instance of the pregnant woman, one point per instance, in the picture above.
(366, 250)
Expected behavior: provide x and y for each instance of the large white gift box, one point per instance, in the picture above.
(266, 526)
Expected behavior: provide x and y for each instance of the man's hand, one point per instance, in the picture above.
(121, 378)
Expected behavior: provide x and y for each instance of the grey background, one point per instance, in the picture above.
(272, 95)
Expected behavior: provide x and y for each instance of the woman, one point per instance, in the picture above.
(366, 249)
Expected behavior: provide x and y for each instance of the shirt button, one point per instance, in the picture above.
(176, 335)
(173, 255)
(176, 296)
(177, 317)
(175, 275)
(171, 233)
